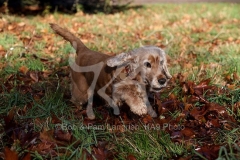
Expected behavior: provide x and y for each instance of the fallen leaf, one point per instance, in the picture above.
(203, 83)
(45, 148)
(209, 151)
(236, 76)
(62, 135)
(34, 76)
(55, 119)
(198, 113)
(216, 107)
(46, 135)
(11, 27)
(27, 156)
(131, 157)
(10, 155)
(23, 69)
(147, 119)
(99, 153)
(213, 123)
(21, 24)
(172, 96)
(1, 48)
(46, 73)
(188, 132)
(231, 86)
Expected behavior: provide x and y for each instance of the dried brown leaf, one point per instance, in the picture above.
(46, 135)
(45, 148)
(188, 132)
(10, 155)
(209, 151)
(131, 157)
(216, 107)
(27, 156)
(34, 76)
(147, 119)
(62, 135)
(23, 69)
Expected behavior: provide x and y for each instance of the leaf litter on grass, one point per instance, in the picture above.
(194, 122)
(193, 112)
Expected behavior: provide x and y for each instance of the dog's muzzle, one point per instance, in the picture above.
(162, 81)
(162, 84)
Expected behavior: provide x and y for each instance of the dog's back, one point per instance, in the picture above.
(82, 51)
(86, 57)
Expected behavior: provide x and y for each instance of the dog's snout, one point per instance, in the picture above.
(162, 81)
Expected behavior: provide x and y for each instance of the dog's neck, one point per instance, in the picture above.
(122, 73)
(125, 72)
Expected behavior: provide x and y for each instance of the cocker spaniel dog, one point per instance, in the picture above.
(127, 77)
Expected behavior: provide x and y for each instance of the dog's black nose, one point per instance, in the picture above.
(162, 81)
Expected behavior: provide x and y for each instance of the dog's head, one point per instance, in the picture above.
(149, 63)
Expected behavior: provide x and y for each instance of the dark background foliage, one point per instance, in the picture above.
(67, 6)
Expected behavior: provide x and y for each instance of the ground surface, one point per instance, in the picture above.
(183, 1)
(198, 114)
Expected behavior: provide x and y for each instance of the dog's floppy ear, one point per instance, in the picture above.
(120, 59)
(165, 68)
(164, 64)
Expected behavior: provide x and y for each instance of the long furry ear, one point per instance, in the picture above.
(165, 68)
(119, 59)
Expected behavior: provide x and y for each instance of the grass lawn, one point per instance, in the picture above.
(199, 112)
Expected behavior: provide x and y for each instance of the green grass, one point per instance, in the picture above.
(201, 40)
(146, 144)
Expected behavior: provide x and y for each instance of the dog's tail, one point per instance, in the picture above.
(67, 35)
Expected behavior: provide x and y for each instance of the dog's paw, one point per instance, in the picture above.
(115, 107)
(116, 111)
(153, 114)
(91, 117)
(90, 114)
(140, 111)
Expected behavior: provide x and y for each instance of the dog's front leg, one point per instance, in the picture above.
(89, 110)
(150, 110)
(96, 69)
(115, 107)
(112, 102)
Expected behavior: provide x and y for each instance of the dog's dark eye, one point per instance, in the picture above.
(147, 64)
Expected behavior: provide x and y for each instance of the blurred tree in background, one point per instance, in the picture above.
(67, 6)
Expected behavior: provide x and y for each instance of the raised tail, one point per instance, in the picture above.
(67, 35)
